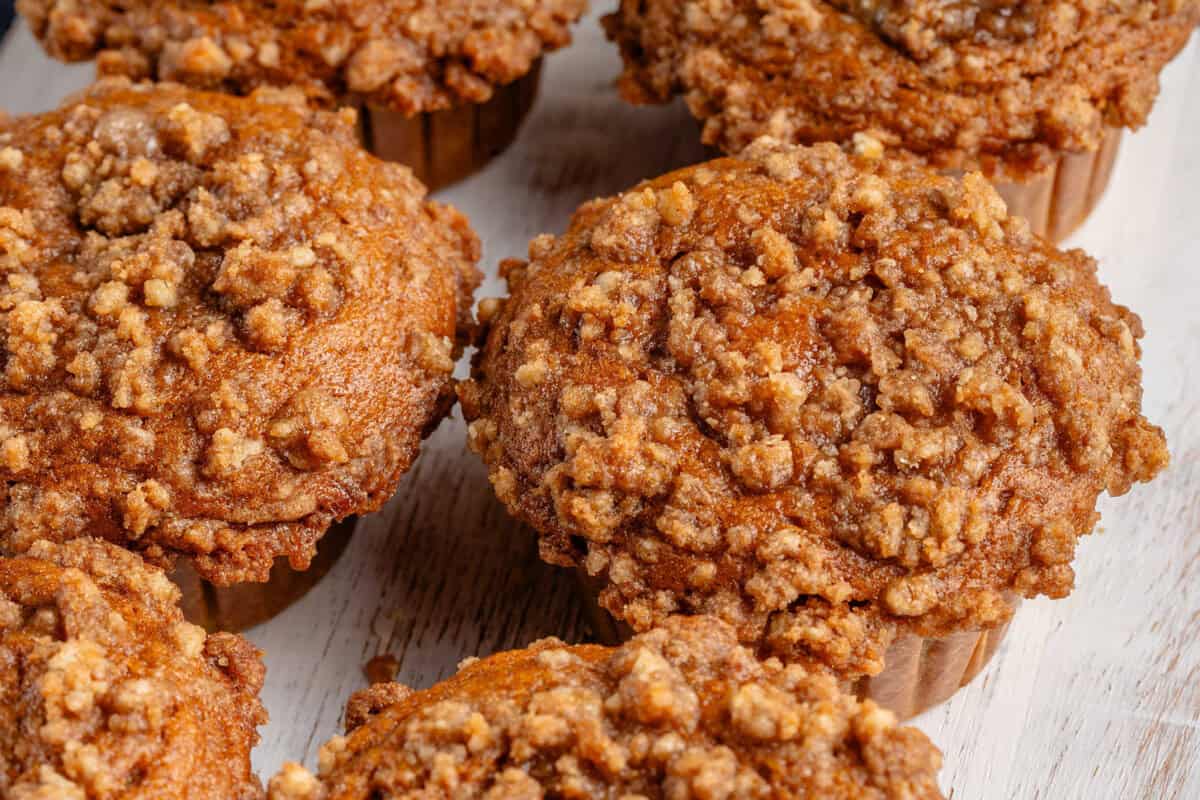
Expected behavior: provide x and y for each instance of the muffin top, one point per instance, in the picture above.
(224, 324)
(1000, 85)
(408, 55)
(108, 694)
(821, 394)
(681, 711)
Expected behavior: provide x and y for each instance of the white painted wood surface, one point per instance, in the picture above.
(1096, 696)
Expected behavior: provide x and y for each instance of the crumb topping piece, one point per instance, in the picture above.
(108, 694)
(999, 86)
(223, 325)
(680, 712)
(408, 55)
(834, 397)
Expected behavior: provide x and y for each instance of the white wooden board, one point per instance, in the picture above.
(1096, 696)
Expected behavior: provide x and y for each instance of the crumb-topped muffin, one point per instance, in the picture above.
(411, 55)
(225, 325)
(996, 85)
(1009, 88)
(683, 711)
(107, 692)
(825, 395)
(408, 57)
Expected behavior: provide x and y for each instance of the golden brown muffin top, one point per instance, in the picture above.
(680, 712)
(408, 55)
(108, 694)
(225, 325)
(999, 85)
(821, 394)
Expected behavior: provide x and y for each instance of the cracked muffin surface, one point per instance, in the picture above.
(408, 55)
(108, 694)
(224, 325)
(1000, 86)
(825, 395)
(683, 711)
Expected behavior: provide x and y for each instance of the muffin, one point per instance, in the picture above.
(833, 398)
(108, 693)
(442, 86)
(681, 711)
(226, 326)
(1033, 94)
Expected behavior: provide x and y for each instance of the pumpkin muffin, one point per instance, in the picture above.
(1034, 94)
(226, 325)
(108, 694)
(833, 398)
(681, 711)
(443, 86)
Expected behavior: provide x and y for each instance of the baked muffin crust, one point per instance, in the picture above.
(108, 694)
(406, 55)
(225, 325)
(681, 712)
(821, 394)
(1000, 86)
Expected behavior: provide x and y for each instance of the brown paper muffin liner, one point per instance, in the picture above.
(919, 672)
(443, 147)
(236, 608)
(1057, 201)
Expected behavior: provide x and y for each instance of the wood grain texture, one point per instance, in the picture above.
(1095, 696)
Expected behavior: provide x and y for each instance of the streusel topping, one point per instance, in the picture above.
(997, 85)
(680, 712)
(818, 393)
(224, 324)
(408, 55)
(108, 694)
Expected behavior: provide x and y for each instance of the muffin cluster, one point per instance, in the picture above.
(808, 420)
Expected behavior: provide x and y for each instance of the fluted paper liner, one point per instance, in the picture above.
(236, 608)
(442, 147)
(918, 674)
(1057, 201)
